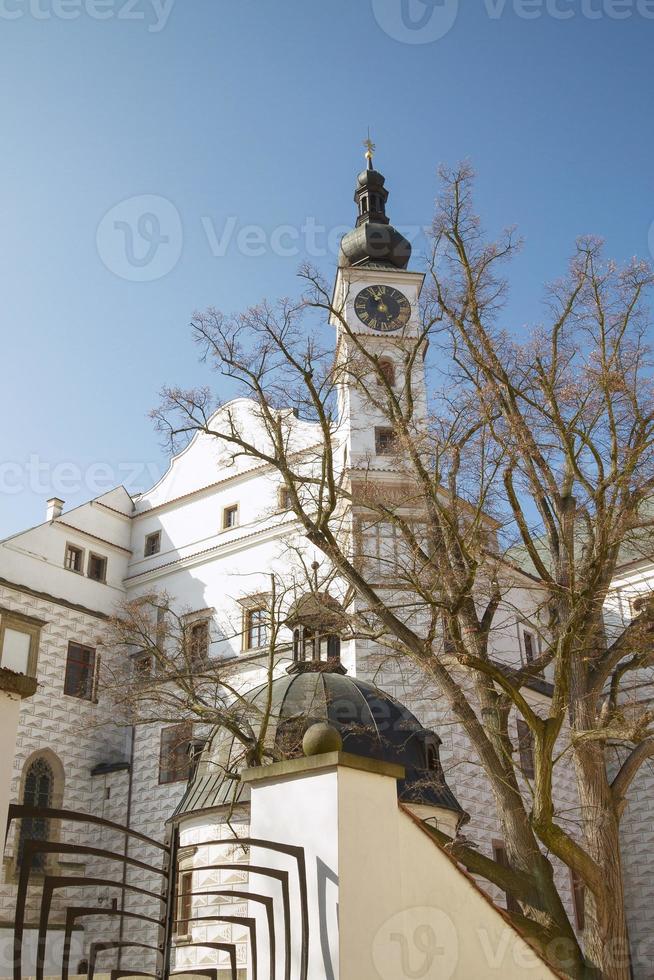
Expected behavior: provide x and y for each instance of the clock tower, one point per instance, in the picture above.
(377, 297)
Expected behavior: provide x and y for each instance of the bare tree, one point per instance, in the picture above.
(530, 473)
(161, 672)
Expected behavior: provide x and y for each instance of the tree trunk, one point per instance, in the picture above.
(606, 941)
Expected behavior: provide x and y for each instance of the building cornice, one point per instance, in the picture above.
(220, 549)
(47, 597)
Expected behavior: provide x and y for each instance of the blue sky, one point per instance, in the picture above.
(217, 115)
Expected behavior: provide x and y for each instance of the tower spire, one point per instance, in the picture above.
(370, 150)
(374, 240)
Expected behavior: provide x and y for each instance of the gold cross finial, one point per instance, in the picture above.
(370, 149)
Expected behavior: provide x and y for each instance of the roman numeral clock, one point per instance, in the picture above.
(382, 308)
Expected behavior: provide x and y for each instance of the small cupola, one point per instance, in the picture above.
(317, 621)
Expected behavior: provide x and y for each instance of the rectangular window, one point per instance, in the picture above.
(531, 649)
(174, 755)
(199, 643)
(80, 672)
(230, 517)
(152, 544)
(74, 560)
(19, 643)
(15, 654)
(284, 498)
(384, 442)
(97, 568)
(529, 641)
(579, 899)
(526, 749)
(256, 628)
(184, 904)
(500, 855)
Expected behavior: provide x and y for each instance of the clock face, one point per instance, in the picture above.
(382, 308)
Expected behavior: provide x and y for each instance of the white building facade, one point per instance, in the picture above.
(208, 535)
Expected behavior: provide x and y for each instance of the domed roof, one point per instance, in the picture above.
(374, 242)
(372, 724)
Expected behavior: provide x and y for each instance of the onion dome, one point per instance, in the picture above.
(370, 722)
(374, 242)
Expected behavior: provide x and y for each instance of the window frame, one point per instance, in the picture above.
(202, 657)
(156, 536)
(230, 509)
(91, 696)
(248, 626)
(22, 624)
(82, 556)
(529, 639)
(381, 432)
(283, 499)
(95, 556)
(163, 747)
(525, 745)
(184, 904)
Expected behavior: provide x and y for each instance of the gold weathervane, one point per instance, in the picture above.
(370, 149)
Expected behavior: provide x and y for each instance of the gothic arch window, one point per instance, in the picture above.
(42, 787)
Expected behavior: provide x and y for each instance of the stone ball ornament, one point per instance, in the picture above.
(321, 738)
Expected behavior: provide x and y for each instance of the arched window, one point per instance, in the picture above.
(38, 791)
(387, 370)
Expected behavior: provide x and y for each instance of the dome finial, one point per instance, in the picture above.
(370, 150)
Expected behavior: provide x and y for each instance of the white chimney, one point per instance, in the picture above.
(54, 508)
